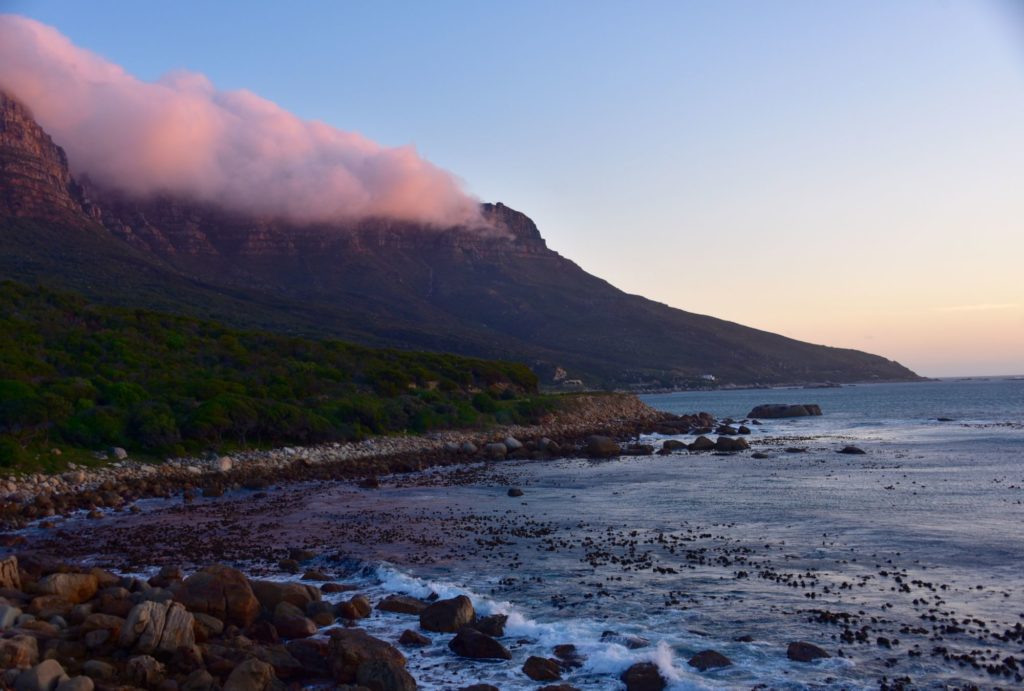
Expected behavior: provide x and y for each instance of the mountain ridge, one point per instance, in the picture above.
(496, 291)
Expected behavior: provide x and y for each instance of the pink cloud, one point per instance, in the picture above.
(180, 135)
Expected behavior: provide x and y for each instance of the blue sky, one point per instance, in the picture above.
(844, 173)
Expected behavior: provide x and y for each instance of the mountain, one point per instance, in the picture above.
(489, 293)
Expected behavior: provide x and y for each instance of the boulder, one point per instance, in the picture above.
(10, 578)
(251, 675)
(478, 646)
(800, 651)
(349, 649)
(625, 639)
(759, 455)
(18, 652)
(447, 616)
(179, 628)
(144, 626)
(781, 410)
(468, 448)
(672, 445)
(311, 653)
(515, 492)
(79, 683)
(402, 604)
(730, 444)
(852, 450)
(118, 453)
(199, 680)
(358, 607)
(410, 637)
(271, 593)
(492, 625)
(291, 622)
(219, 591)
(223, 464)
(643, 676)
(542, 669)
(43, 677)
(513, 444)
(496, 450)
(701, 443)
(602, 447)
(727, 430)
(8, 616)
(72, 587)
(384, 675)
(709, 659)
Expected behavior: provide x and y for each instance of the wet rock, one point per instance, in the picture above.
(272, 593)
(18, 652)
(496, 450)
(480, 687)
(403, 604)
(783, 410)
(598, 446)
(515, 492)
(410, 637)
(759, 455)
(371, 482)
(852, 450)
(208, 626)
(358, 607)
(291, 622)
(542, 669)
(643, 676)
(251, 675)
(742, 429)
(628, 640)
(72, 587)
(709, 659)
(795, 449)
(727, 430)
(447, 616)
(349, 649)
(478, 646)
(513, 444)
(219, 591)
(322, 613)
(492, 625)
(468, 448)
(800, 651)
(337, 588)
(311, 653)
(701, 443)
(569, 656)
(384, 675)
(42, 677)
(672, 445)
(729, 444)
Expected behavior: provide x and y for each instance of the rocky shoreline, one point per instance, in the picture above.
(617, 417)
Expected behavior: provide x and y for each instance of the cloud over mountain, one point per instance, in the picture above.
(181, 135)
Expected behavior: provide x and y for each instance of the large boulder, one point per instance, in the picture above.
(402, 604)
(701, 443)
(10, 577)
(144, 626)
(780, 410)
(384, 675)
(731, 444)
(291, 622)
(478, 646)
(350, 649)
(542, 668)
(219, 591)
(72, 587)
(251, 675)
(447, 616)
(643, 676)
(602, 447)
(18, 652)
(271, 593)
(43, 677)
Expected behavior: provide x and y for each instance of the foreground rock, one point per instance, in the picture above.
(349, 650)
(221, 592)
(781, 410)
(542, 669)
(709, 659)
(602, 447)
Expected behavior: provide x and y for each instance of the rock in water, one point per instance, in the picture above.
(221, 592)
(403, 604)
(702, 443)
(602, 447)
(515, 492)
(542, 669)
(780, 410)
(852, 450)
(801, 651)
(478, 646)
(447, 616)
(709, 659)
(384, 675)
(643, 676)
(410, 637)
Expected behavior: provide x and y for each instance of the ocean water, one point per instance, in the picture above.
(906, 563)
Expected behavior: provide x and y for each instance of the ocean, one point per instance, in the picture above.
(904, 563)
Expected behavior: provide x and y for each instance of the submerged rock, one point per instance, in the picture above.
(801, 651)
(709, 659)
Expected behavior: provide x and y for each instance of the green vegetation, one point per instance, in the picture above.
(92, 376)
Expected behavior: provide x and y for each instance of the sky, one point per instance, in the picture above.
(845, 173)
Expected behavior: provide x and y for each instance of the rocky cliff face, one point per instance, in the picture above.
(34, 178)
(490, 291)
